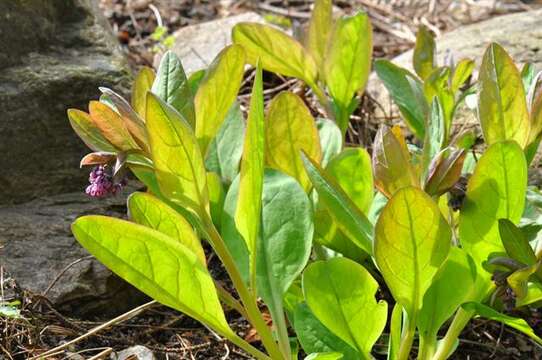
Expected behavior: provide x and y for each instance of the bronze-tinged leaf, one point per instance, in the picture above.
(112, 126)
(85, 128)
(444, 171)
(96, 158)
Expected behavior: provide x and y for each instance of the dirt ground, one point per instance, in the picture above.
(172, 335)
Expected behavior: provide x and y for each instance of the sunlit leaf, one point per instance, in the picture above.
(142, 83)
(495, 191)
(331, 139)
(216, 197)
(217, 92)
(341, 294)
(176, 156)
(502, 104)
(444, 171)
(96, 158)
(461, 74)
(516, 244)
(111, 126)
(412, 240)
(407, 93)
(348, 62)
(289, 129)
(519, 280)
(276, 51)
(320, 26)
(424, 52)
(156, 264)
(147, 210)
(171, 85)
(85, 128)
(325, 356)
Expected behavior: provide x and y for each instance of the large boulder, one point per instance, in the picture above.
(40, 253)
(55, 53)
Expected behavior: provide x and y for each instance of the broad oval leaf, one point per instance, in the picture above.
(412, 240)
(423, 56)
(176, 156)
(217, 92)
(352, 171)
(346, 214)
(171, 85)
(516, 244)
(111, 126)
(276, 51)
(316, 338)
(226, 149)
(142, 83)
(159, 266)
(249, 202)
(320, 26)
(391, 162)
(348, 61)
(502, 104)
(85, 128)
(147, 210)
(289, 129)
(407, 93)
(442, 299)
(341, 294)
(496, 190)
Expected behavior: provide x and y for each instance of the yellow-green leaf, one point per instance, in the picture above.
(147, 210)
(424, 52)
(276, 51)
(502, 104)
(290, 128)
(462, 72)
(217, 92)
(320, 26)
(249, 201)
(85, 128)
(412, 241)
(176, 156)
(142, 84)
(111, 126)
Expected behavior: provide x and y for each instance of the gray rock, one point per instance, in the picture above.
(137, 352)
(520, 34)
(54, 56)
(36, 245)
(197, 45)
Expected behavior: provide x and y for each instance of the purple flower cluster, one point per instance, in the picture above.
(102, 183)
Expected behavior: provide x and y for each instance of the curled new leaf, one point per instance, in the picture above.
(176, 156)
(217, 93)
(502, 103)
(290, 128)
(111, 126)
(87, 130)
(444, 171)
(276, 51)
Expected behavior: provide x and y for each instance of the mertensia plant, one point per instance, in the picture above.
(316, 230)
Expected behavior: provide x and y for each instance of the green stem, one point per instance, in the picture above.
(254, 315)
(407, 339)
(428, 345)
(459, 322)
(248, 348)
(229, 300)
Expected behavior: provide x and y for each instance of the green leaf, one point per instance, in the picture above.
(276, 51)
(496, 190)
(286, 241)
(289, 129)
(391, 162)
(436, 85)
(348, 62)
(528, 74)
(194, 80)
(171, 85)
(156, 264)
(519, 280)
(216, 197)
(217, 93)
(534, 295)
(343, 210)
(148, 211)
(341, 294)
(442, 300)
(85, 128)
(352, 171)
(226, 149)
(142, 83)
(424, 52)
(488, 313)
(320, 24)
(407, 93)
(316, 338)
(176, 156)
(249, 203)
(111, 126)
(331, 139)
(325, 356)
(396, 325)
(502, 105)
(461, 74)
(435, 136)
(412, 240)
(515, 243)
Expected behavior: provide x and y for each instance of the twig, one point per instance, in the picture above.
(55, 280)
(102, 354)
(128, 315)
(283, 12)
